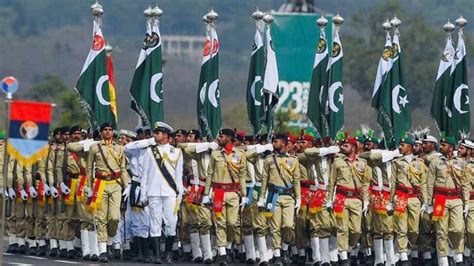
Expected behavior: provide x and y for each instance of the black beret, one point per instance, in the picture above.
(75, 128)
(195, 132)
(283, 137)
(181, 131)
(56, 130)
(262, 138)
(228, 132)
(106, 124)
(65, 129)
(139, 131)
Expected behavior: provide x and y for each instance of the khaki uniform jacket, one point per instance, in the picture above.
(219, 167)
(202, 159)
(450, 174)
(289, 173)
(379, 169)
(115, 157)
(355, 175)
(409, 174)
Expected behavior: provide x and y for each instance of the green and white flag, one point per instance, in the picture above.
(460, 122)
(335, 91)
(211, 109)
(147, 83)
(271, 92)
(318, 93)
(93, 83)
(440, 106)
(203, 78)
(255, 83)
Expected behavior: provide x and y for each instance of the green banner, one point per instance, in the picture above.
(295, 38)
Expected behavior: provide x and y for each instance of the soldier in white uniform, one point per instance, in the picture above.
(161, 185)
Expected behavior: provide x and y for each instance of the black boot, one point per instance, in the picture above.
(155, 247)
(229, 255)
(285, 257)
(12, 248)
(86, 257)
(110, 252)
(309, 254)
(41, 251)
(168, 259)
(53, 253)
(63, 253)
(223, 260)
(144, 247)
(344, 263)
(126, 255)
(134, 247)
(301, 260)
(404, 263)
(277, 261)
(71, 254)
(22, 249)
(354, 261)
(116, 254)
(187, 256)
(94, 257)
(104, 257)
(32, 250)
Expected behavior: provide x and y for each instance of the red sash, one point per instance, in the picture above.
(339, 203)
(317, 201)
(305, 196)
(218, 202)
(401, 203)
(380, 202)
(80, 188)
(438, 206)
(41, 196)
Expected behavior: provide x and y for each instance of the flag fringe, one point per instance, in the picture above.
(27, 161)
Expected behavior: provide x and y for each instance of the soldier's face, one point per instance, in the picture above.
(445, 148)
(306, 144)
(405, 149)
(223, 140)
(369, 146)
(428, 146)
(180, 138)
(347, 149)
(161, 137)
(279, 144)
(417, 148)
(290, 147)
(65, 137)
(76, 136)
(107, 133)
(191, 138)
(464, 152)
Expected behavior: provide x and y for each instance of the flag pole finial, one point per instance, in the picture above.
(108, 48)
(395, 22)
(96, 9)
(322, 21)
(156, 11)
(148, 12)
(461, 22)
(448, 27)
(257, 15)
(268, 19)
(338, 20)
(387, 26)
(212, 15)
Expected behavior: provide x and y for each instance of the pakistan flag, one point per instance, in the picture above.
(335, 97)
(93, 83)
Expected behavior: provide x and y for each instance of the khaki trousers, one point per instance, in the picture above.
(228, 221)
(349, 225)
(282, 223)
(108, 214)
(407, 226)
(469, 242)
(451, 226)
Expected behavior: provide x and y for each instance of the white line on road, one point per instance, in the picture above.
(15, 263)
(35, 257)
(66, 261)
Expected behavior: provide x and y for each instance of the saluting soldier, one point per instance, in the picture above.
(107, 171)
(347, 195)
(161, 185)
(281, 197)
(226, 175)
(408, 194)
(448, 181)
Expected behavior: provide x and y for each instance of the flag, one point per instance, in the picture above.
(93, 84)
(400, 105)
(271, 92)
(211, 109)
(460, 122)
(147, 83)
(203, 77)
(335, 93)
(28, 131)
(316, 104)
(110, 72)
(255, 83)
(440, 110)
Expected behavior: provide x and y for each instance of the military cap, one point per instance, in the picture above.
(283, 137)
(105, 125)
(163, 127)
(407, 140)
(75, 128)
(228, 132)
(448, 140)
(181, 131)
(195, 132)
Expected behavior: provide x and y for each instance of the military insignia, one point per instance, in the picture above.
(360, 166)
(439, 208)
(98, 42)
(446, 56)
(321, 46)
(394, 50)
(154, 40)
(387, 53)
(289, 162)
(236, 158)
(145, 41)
(336, 49)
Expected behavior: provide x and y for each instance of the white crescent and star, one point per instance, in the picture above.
(154, 80)
(398, 100)
(202, 93)
(213, 93)
(252, 90)
(98, 89)
(331, 91)
(457, 98)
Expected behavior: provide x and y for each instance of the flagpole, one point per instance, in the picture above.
(8, 99)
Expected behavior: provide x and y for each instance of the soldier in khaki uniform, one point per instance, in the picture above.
(407, 194)
(281, 196)
(465, 151)
(347, 195)
(226, 175)
(426, 241)
(107, 170)
(322, 222)
(380, 161)
(448, 181)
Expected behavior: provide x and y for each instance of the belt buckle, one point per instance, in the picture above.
(449, 194)
(350, 193)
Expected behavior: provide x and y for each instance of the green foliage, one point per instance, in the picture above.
(68, 110)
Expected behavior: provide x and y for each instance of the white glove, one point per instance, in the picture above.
(466, 209)
(429, 209)
(389, 207)
(12, 193)
(47, 190)
(423, 208)
(297, 204)
(23, 194)
(365, 208)
(329, 150)
(88, 191)
(143, 195)
(261, 203)
(6, 194)
(54, 192)
(64, 189)
(268, 147)
(126, 192)
(329, 205)
(244, 202)
(33, 192)
(206, 200)
(213, 146)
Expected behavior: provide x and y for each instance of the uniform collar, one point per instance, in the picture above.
(228, 148)
(409, 157)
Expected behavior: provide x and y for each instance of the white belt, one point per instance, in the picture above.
(136, 179)
(197, 182)
(378, 188)
(258, 184)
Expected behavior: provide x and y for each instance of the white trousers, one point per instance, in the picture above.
(140, 222)
(162, 211)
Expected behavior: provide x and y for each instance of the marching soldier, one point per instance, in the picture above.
(347, 195)
(449, 184)
(380, 186)
(106, 169)
(465, 151)
(226, 175)
(281, 178)
(407, 194)
(161, 185)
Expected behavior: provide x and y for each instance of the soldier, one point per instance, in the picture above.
(426, 241)
(347, 195)
(161, 185)
(407, 194)
(380, 186)
(226, 175)
(281, 196)
(322, 222)
(465, 151)
(106, 168)
(449, 184)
